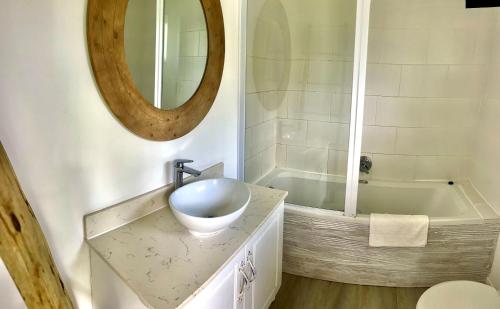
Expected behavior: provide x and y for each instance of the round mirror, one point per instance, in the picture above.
(166, 49)
(158, 63)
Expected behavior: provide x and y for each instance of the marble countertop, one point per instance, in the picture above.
(164, 264)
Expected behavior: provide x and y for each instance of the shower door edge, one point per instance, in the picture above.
(159, 40)
(357, 106)
(242, 67)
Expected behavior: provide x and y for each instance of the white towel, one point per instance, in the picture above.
(398, 230)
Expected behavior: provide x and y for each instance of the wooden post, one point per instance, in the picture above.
(23, 247)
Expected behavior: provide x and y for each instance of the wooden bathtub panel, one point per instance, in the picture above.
(336, 248)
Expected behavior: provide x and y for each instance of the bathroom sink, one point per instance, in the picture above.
(207, 207)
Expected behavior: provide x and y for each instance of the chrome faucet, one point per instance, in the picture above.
(365, 165)
(180, 169)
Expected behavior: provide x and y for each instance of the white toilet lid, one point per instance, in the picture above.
(460, 295)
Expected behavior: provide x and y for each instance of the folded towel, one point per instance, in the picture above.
(398, 230)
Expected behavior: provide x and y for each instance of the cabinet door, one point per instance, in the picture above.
(266, 251)
(222, 292)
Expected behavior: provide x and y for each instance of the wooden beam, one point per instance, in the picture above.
(23, 247)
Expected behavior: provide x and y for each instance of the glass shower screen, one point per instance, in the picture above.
(299, 81)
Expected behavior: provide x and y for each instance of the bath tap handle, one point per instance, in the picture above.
(365, 164)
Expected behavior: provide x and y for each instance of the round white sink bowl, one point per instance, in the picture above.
(207, 207)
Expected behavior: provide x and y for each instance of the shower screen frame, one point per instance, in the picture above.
(357, 105)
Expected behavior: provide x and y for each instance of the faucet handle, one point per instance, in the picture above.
(181, 162)
(365, 164)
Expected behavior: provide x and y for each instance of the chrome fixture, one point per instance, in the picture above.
(180, 169)
(365, 165)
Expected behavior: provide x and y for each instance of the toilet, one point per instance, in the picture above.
(460, 295)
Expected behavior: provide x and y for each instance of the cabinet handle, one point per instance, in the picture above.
(244, 281)
(252, 267)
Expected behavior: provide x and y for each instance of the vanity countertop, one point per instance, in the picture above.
(164, 264)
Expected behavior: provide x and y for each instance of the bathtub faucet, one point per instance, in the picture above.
(365, 165)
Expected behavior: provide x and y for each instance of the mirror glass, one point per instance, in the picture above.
(166, 48)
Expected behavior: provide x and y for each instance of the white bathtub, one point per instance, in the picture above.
(434, 199)
(320, 242)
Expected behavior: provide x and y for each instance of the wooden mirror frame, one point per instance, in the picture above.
(106, 44)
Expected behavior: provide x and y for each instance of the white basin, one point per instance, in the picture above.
(207, 207)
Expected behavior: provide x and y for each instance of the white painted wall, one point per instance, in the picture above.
(69, 152)
(484, 171)
(9, 295)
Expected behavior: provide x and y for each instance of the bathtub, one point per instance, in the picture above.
(434, 199)
(319, 242)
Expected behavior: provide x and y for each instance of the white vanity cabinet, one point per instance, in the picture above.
(264, 251)
(222, 292)
(152, 261)
(251, 279)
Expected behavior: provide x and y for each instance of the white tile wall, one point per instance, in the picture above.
(404, 46)
(379, 139)
(486, 150)
(393, 167)
(307, 158)
(313, 124)
(486, 147)
(424, 112)
(292, 132)
(253, 169)
(187, 65)
(341, 108)
(433, 141)
(268, 73)
(428, 114)
(309, 105)
(328, 134)
(383, 79)
(465, 81)
(328, 76)
(297, 77)
(451, 46)
(425, 80)
(190, 43)
(439, 167)
(261, 133)
(280, 155)
(322, 42)
(337, 162)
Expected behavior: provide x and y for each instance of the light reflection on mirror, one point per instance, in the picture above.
(166, 49)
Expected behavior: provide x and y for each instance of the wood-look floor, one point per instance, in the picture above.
(306, 293)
